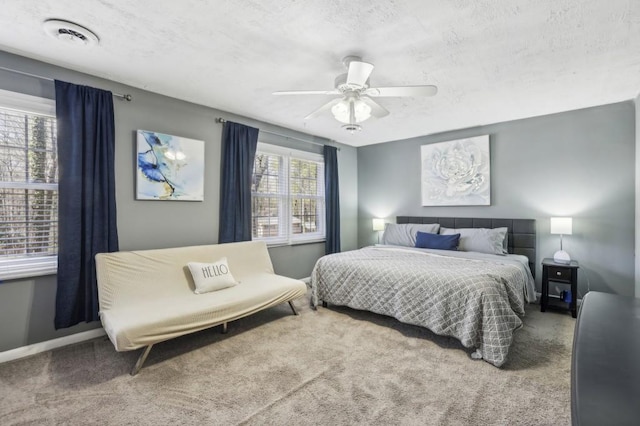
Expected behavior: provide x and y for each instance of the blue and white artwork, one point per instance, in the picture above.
(457, 173)
(169, 167)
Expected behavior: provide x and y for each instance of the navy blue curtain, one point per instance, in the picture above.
(332, 199)
(239, 143)
(87, 205)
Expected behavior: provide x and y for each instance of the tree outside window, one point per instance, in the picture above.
(287, 196)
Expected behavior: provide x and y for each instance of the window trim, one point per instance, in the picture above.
(28, 266)
(28, 104)
(288, 153)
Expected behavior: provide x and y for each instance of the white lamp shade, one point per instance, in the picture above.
(342, 111)
(561, 225)
(378, 224)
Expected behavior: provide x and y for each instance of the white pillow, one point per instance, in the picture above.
(404, 234)
(482, 240)
(211, 276)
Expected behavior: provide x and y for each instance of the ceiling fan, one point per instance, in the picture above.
(355, 103)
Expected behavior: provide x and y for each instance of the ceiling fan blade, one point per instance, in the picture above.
(359, 72)
(377, 110)
(323, 108)
(307, 92)
(400, 91)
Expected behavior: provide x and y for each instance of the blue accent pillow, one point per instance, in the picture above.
(436, 241)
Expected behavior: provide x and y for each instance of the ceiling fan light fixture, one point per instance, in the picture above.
(356, 102)
(352, 128)
(343, 110)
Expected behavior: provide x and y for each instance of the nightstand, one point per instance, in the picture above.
(560, 273)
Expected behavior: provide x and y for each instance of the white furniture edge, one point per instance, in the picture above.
(36, 348)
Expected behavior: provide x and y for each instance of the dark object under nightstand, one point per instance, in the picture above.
(561, 273)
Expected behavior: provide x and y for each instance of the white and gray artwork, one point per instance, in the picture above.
(457, 173)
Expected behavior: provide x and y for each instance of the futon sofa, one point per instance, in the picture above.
(149, 296)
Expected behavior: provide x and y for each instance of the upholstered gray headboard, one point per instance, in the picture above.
(521, 232)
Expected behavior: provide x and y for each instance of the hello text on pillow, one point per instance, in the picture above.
(211, 276)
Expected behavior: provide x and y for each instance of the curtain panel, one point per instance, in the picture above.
(87, 205)
(332, 199)
(239, 143)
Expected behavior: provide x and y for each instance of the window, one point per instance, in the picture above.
(287, 196)
(28, 186)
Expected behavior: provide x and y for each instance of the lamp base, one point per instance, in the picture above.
(562, 256)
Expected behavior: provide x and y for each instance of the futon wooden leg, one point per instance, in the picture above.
(141, 360)
(225, 330)
(324, 304)
(293, 308)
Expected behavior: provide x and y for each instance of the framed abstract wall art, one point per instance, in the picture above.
(169, 167)
(456, 173)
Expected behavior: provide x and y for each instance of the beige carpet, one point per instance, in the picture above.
(331, 366)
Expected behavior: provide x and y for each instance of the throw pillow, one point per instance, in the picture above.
(211, 276)
(404, 234)
(435, 241)
(482, 240)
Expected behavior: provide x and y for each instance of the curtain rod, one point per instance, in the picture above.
(126, 97)
(222, 121)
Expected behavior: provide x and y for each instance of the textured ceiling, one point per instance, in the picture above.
(492, 61)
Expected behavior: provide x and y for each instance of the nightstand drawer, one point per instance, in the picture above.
(559, 273)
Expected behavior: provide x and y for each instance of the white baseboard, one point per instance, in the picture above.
(36, 348)
(306, 280)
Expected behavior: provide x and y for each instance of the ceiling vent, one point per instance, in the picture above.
(69, 32)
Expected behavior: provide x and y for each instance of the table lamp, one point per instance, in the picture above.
(562, 226)
(378, 225)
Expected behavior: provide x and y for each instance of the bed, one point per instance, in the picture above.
(476, 297)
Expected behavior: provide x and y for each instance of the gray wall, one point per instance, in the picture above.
(27, 305)
(637, 234)
(591, 151)
(578, 163)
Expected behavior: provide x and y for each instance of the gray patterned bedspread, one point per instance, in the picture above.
(475, 301)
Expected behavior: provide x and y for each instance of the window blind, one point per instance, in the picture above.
(28, 185)
(287, 196)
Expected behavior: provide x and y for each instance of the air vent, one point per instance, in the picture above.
(69, 32)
